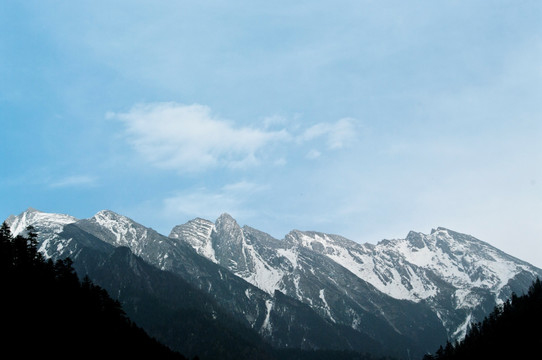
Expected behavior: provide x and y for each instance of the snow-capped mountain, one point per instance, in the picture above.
(282, 321)
(49, 226)
(167, 305)
(403, 268)
(458, 277)
(50, 223)
(308, 276)
(310, 290)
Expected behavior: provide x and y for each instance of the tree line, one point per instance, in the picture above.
(512, 330)
(47, 310)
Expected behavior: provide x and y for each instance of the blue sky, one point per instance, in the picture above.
(361, 118)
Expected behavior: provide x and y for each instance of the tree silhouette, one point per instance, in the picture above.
(46, 310)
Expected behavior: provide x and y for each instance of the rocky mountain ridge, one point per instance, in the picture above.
(458, 276)
(397, 297)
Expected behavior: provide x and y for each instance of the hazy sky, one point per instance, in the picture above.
(361, 118)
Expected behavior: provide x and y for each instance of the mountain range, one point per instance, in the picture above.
(216, 289)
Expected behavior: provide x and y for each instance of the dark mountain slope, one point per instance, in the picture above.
(47, 312)
(174, 311)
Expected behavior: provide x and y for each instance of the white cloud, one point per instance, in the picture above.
(342, 133)
(337, 135)
(190, 138)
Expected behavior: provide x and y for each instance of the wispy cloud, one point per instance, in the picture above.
(190, 138)
(74, 181)
(337, 135)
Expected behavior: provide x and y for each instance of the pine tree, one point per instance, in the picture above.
(5, 247)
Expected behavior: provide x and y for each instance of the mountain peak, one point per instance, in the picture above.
(111, 219)
(119, 230)
(197, 233)
(227, 223)
(416, 239)
(440, 229)
(225, 217)
(107, 214)
(105, 217)
(38, 219)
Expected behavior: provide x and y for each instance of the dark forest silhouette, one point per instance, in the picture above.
(47, 310)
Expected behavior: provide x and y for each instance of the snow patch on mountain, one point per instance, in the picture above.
(260, 273)
(465, 299)
(463, 328)
(290, 254)
(266, 326)
(327, 309)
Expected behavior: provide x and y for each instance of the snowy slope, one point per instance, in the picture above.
(46, 221)
(118, 230)
(197, 233)
(47, 225)
(403, 268)
(457, 276)
(328, 288)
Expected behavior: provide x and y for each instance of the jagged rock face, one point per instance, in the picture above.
(197, 233)
(118, 230)
(229, 245)
(457, 277)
